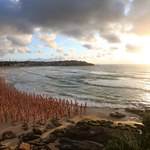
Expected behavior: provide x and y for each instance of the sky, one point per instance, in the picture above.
(96, 31)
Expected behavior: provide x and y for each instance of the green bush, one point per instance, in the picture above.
(145, 137)
(146, 122)
(123, 143)
(145, 142)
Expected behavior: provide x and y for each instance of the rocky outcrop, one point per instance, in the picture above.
(69, 144)
(29, 137)
(8, 135)
(37, 131)
(135, 110)
(84, 135)
(117, 115)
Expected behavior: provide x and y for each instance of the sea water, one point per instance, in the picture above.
(115, 86)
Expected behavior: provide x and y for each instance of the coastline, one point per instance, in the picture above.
(92, 114)
(12, 136)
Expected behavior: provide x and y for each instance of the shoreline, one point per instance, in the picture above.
(92, 115)
(16, 133)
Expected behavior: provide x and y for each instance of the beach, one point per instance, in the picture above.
(20, 138)
(74, 75)
(27, 122)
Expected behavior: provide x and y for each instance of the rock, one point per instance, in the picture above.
(19, 136)
(117, 115)
(55, 122)
(147, 109)
(65, 147)
(104, 123)
(120, 124)
(1, 139)
(29, 137)
(8, 135)
(98, 134)
(49, 126)
(37, 131)
(55, 135)
(3, 147)
(24, 146)
(140, 127)
(97, 131)
(25, 126)
(40, 147)
(69, 144)
(134, 110)
(70, 121)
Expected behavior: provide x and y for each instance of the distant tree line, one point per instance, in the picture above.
(42, 63)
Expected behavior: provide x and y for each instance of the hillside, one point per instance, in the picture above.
(42, 63)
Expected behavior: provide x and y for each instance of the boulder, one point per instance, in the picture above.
(117, 115)
(70, 121)
(37, 131)
(140, 127)
(135, 110)
(54, 136)
(3, 147)
(1, 139)
(55, 123)
(29, 137)
(24, 146)
(70, 144)
(40, 147)
(8, 135)
(25, 126)
(49, 126)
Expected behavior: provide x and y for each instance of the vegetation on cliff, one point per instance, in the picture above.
(42, 63)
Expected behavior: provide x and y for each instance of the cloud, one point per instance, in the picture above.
(133, 48)
(112, 38)
(12, 44)
(40, 51)
(81, 20)
(139, 16)
(60, 50)
(48, 39)
(38, 46)
(65, 16)
(114, 48)
(88, 46)
(20, 40)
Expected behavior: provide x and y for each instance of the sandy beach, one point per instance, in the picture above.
(30, 121)
(91, 114)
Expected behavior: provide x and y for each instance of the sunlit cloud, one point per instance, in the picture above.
(100, 31)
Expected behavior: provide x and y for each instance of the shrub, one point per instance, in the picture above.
(123, 143)
(146, 122)
(145, 137)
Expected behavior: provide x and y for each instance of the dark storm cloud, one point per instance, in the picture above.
(70, 17)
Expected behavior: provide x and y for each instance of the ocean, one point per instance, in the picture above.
(113, 86)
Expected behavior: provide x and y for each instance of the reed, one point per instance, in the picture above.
(21, 107)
